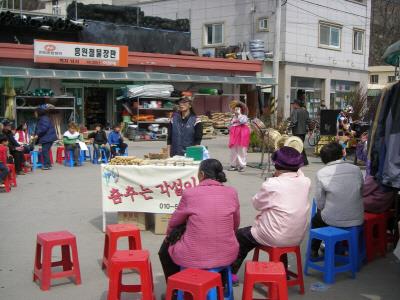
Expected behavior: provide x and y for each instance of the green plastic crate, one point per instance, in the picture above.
(195, 152)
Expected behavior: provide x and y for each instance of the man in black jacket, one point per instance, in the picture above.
(299, 120)
(99, 140)
(16, 150)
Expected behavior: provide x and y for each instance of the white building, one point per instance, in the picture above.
(324, 44)
(380, 76)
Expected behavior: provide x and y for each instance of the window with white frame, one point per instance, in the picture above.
(263, 24)
(358, 41)
(214, 34)
(373, 79)
(391, 79)
(330, 35)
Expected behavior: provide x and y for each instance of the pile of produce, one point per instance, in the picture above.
(126, 160)
(162, 155)
(143, 118)
(221, 120)
(208, 129)
(173, 161)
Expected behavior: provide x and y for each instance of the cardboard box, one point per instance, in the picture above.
(161, 223)
(136, 218)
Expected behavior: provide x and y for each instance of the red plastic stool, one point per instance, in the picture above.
(196, 282)
(265, 273)
(12, 175)
(275, 254)
(113, 233)
(375, 235)
(130, 259)
(60, 154)
(43, 264)
(3, 159)
(7, 184)
(390, 237)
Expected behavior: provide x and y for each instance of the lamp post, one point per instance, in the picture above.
(275, 64)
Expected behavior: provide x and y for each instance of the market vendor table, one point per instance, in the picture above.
(147, 188)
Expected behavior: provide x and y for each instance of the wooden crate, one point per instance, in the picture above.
(223, 131)
(136, 218)
(158, 223)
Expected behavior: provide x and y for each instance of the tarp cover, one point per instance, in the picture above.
(148, 90)
(136, 38)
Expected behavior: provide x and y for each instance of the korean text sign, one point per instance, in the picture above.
(153, 189)
(80, 54)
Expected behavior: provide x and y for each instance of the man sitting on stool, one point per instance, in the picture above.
(116, 140)
(338, 193)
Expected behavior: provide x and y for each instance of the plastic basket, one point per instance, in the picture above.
(195, 152)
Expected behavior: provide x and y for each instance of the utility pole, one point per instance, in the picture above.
(275, 64)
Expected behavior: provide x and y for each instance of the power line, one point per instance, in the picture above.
(314, 14)
(343, 11)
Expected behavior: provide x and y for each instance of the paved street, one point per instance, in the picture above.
(70, 199)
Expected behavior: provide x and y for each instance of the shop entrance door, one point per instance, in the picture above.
(96, 106)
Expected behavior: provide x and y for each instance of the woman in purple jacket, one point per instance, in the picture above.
(211, 214)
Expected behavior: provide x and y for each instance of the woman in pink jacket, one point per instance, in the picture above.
(283, 207)
(211, 214)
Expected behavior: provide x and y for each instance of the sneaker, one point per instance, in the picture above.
(235, 280)
(2, 185)
(241, 169)
(46, 168)
(232, 169)
(21, 173)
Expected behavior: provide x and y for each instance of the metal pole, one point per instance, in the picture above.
(20, 8)
(275, 65)
(76, 11)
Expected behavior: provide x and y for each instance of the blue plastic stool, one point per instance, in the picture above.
(331, 236)
(125, 153)
(358, 243)
(104, 158)
(35, 160)
(87, 154)
(69, 158)
(228, 287)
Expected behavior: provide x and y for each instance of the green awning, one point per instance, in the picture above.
(374, 93)
(18, 72)
(392, 54)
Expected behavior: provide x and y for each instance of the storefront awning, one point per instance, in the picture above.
(18, 72)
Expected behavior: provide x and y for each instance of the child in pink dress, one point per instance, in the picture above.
(239, 136)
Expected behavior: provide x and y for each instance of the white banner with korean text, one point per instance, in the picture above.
(152, 189)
